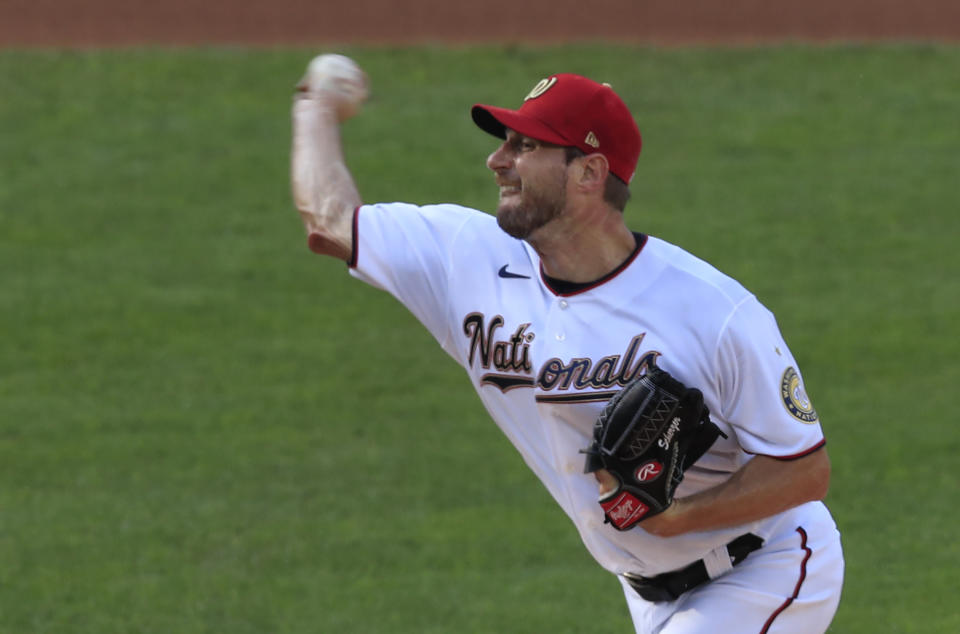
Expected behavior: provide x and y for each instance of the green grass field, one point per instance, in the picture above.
(205, 428)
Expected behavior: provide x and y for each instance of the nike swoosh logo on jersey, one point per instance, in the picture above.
(503, 272)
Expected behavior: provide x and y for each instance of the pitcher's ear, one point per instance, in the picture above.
(594, 169)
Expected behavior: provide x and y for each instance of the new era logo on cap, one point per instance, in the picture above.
(571, 110)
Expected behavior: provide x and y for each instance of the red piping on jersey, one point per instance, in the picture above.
(354, 247)
(603, 280)
(796, 589)
(797, 456)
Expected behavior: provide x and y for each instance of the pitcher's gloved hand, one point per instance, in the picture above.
(647, 436)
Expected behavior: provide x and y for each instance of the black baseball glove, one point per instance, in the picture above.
(647, 436)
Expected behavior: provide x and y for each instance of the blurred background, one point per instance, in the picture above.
(285, 22)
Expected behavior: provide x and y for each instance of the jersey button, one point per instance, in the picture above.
(564, 303)
(561, 336)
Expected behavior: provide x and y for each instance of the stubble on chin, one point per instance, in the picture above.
(521, 218)
(515, 220)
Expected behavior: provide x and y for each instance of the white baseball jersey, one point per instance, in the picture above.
(545, 363)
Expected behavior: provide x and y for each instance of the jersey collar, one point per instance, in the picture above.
(563, 288)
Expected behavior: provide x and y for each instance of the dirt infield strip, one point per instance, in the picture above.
(30, 23)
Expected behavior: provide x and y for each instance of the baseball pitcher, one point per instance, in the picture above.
(653, 396)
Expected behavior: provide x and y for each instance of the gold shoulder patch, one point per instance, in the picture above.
(795, 398)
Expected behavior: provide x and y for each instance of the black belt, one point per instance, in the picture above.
(670, 585)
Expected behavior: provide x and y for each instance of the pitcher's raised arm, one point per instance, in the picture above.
(331, 91)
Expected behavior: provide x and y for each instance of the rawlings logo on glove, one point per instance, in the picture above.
(647, 436)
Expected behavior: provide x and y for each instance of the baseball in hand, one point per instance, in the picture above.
(338, 79)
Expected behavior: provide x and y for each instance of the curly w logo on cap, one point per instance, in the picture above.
(571, 110)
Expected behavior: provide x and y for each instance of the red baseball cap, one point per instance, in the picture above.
(571, 110)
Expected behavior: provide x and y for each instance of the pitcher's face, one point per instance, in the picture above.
(532, 176)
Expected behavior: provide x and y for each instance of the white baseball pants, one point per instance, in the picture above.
(791, 585)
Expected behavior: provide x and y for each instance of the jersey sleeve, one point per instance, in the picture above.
(406, 250)
(761, 389)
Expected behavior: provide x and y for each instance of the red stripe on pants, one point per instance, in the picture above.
(796, 590)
